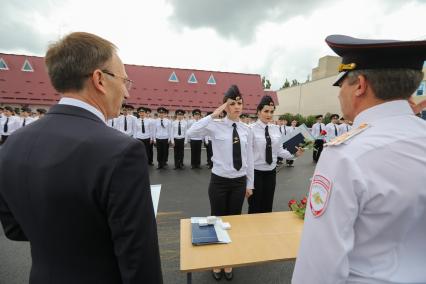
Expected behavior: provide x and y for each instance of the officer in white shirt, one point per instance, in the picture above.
(25, 117)
(40, 112)
(266, 149)
(232, 173)
(179, 128)
(126, 123)
(209, 148)
(317, 131)
(365, 219)
(283, 128)
(9, 123)
(344, 126)
(162, 136)
(144, 132)
(332, 128)
(196, 142)
(1, 112)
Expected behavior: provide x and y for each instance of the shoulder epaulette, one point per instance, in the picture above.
(348, 135)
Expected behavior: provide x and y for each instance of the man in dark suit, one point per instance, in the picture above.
(85, 206)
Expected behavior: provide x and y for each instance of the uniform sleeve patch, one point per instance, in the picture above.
(319, 194)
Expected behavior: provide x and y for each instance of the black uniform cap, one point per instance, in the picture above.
(361, 54)
(334, 116)
(233, 93)
(179, 112)
(162, 110)
(265, 101)
(141, 109)
(26, 109)
(147, 110)
(196, 111)
(243, 115)
(41, 110)
(318, 116)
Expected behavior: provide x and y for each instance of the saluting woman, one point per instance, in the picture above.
(266, 149)
(232, 173)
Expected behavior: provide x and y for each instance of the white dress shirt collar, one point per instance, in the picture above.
(83, 105)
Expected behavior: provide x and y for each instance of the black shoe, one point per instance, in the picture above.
(160, 167)
(151, 164)
(217, 275)
(229, 275)
(177, 168)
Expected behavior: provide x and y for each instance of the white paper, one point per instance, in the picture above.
(155, 196)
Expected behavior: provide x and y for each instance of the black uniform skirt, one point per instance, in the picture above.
(226, 195)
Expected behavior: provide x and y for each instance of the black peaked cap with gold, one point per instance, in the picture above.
(233, 93)
(362, 54)
(266, 101)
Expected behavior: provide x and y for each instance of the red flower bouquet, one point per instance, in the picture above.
(298, 207)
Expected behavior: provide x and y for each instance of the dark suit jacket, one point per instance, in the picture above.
(79, 192)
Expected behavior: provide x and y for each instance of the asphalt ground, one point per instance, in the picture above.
(184, 194)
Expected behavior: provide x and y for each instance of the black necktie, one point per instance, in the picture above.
(112, 122)
(179, 129)
(162, 125)
(268, 150)
(6, 127)
(23, 124)
(236, 149)
(347, 128)
(285, 131)
(320, 128)
(125, 123)
(143, 127)
(281, 131)
(335, 130)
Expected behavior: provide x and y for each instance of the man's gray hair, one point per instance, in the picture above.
(390, 84)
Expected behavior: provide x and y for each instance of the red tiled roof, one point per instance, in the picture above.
(151, 88)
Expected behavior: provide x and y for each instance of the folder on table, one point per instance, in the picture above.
(203, 235)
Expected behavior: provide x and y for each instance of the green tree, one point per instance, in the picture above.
(266, 83)
(286, 84)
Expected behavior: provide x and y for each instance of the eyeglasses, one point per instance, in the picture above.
(127, 82)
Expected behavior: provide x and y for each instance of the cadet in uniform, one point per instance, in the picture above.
(365, 219)
(144, 132)
(232, 173)
(344, 126)
(289, 162)
(9, 123)
(162, 137)
(25, 117)
(40, 113)
(316, 131)
(179, 127)
(266, 148)
(126, 123)
(332, 128)
(196, 143)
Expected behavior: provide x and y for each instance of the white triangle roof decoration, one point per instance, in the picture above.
(27, 66)
(173, 77)
(3, 65)
(192, 79)
(211, 80)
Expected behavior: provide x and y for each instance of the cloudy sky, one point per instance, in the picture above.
(275, 38)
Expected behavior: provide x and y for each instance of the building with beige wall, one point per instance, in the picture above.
(318, 96)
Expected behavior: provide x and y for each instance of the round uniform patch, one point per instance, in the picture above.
(319, 194)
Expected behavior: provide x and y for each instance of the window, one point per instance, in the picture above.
(27, 66)
(3, 65)
(173, 78)
(211, 80)
(192, 79)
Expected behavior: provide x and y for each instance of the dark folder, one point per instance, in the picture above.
(294, 141)
(203, 235)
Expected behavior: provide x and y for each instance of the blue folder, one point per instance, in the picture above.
(294, 141)
(203, 235)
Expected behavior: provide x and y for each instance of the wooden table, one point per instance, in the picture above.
(256, 238)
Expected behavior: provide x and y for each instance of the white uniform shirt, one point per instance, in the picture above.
(373, 229)
(27, 121)
(259, 146)
(162, 132)
(148, 127)
(220, 132)
(112, 122)
(13, 124)
(316, 129)
(343, 128)
(175, 130)
(193, 137)
(331, 129)
(120, 122)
